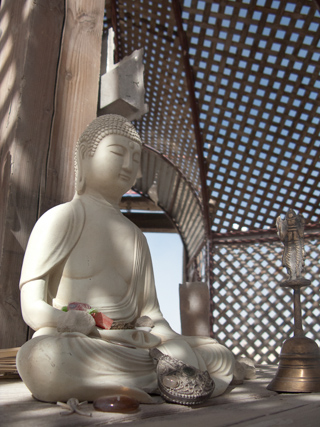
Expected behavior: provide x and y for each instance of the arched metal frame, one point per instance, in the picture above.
(178, 199)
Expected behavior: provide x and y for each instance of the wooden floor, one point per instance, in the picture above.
(250, 404)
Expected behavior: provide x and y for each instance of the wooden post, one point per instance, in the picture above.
(76, 96)
(194, 309)
(29, 55)
(48, 95)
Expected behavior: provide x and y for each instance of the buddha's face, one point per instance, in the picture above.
(113, 168)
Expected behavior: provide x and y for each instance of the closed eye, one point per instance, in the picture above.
(117, 153)
(117, 150)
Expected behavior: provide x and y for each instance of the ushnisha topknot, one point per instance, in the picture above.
(109, 124)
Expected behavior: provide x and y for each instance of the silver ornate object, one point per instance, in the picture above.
(181, 383)
(290, 232)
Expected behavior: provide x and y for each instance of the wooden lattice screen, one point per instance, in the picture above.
(256, 74)
(256, 69)
(253, 315)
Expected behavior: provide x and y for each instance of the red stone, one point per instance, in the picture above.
(123, 404)
(102, 321)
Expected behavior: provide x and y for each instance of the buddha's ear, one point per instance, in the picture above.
(80, 178)
(139, 173)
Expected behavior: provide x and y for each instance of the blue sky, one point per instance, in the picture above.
(167, 255)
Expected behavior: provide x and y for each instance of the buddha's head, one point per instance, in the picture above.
(107, 155)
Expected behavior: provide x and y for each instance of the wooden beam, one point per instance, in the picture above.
(76, 96)
(29, 56)
(256, 236)
(115, 26)
(195, 113)
(317, 2)
(139, 203)
(152, 222)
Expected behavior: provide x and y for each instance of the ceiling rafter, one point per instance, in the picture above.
(195, 112)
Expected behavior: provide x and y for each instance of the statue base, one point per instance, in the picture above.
(299, 367)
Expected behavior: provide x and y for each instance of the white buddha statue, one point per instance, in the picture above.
(86, 251)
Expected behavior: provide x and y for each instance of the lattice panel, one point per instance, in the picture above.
(256, 66)
(253, 315)
(175, 195)
(257, 79)
(168, 126)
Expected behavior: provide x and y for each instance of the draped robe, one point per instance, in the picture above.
(59, 365)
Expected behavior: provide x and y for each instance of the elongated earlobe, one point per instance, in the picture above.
(139, 174)
(80, 176)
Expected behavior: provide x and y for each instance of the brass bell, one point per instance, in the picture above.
(299, 367)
